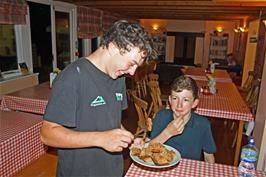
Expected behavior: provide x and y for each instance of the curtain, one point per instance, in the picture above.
(109, 19)
(13, 11)
(89, 22)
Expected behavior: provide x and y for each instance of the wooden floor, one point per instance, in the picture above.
(223, 133)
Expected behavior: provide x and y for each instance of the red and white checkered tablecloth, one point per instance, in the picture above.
(204, 78)
(23, 104)
(20, 142)
(227, 103)
(200, 74)
(218, 73)
(187, 168)
(33, 99)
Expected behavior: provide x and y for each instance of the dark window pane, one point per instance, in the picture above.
(8, 52)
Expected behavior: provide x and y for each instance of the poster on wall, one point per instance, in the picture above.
(253, 39)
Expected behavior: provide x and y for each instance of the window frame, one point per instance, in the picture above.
(23, 50)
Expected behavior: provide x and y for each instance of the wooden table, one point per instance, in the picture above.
(227, 104)
(200, 74)
(33, 99)
(187, 168)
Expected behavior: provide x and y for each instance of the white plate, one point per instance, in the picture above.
(176, 159)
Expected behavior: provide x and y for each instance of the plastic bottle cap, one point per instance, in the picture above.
(251, 141)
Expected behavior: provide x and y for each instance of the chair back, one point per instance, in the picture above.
(144, 122)
(155, 95)
(153, 77)
(248, 82)
(140, 82)
(253, 95)
(152, 66)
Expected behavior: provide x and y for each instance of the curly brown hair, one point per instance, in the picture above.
(126, 35)
(185, 83)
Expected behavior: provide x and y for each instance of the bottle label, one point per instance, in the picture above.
(249, 155)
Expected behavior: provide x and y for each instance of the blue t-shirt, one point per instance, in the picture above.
(195, 138)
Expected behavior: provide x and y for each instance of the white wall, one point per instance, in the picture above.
(195, 26)
(260, 123)
(170, 46)
(199, 51)
(186, 26)
(250, 55)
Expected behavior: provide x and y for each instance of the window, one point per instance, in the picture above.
(94, 44)
(80, 47)
(8, 51)
(84, 47)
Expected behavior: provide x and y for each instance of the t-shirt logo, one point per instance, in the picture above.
(98, 101)
(119, 96)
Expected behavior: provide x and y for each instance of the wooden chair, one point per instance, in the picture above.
(247, 85)
(153, 77)
(144, 122)
(140, 87)
(156, 96)
(252, 101)
(140, 81)
(249, 91)
(152, 66)
(253, 95)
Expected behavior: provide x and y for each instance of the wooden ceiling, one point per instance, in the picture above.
(181, 10)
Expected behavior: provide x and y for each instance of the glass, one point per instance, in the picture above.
(62, 39)
(8, 52)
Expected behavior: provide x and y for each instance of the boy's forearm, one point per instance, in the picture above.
(162, 137)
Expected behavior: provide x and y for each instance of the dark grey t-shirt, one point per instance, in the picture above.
(84, 98)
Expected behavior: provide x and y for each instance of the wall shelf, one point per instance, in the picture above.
(159, 42)
(218, 47)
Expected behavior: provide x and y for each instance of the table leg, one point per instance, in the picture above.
(238, 142)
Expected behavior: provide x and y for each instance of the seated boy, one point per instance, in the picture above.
(180, 127)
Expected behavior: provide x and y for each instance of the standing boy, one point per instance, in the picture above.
(83, 116)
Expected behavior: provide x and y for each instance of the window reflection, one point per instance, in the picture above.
(62, 39)
(8, 52)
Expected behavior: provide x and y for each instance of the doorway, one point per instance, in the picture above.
(184, 50)
(184, 47)
(42, 57)
(53, 36)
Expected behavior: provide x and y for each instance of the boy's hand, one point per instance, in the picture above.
(175, 127)
(137, 141)
(115, 140)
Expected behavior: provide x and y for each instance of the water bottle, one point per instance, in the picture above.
(212, 85)
(248, 159)
(212, 67)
